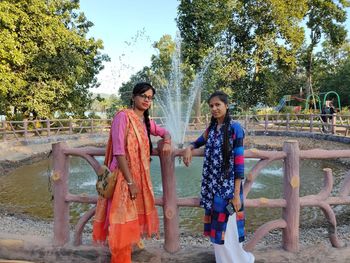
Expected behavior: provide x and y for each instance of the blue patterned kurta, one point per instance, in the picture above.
(217, 188)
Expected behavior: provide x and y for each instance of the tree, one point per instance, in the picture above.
(47, 64)
(162, 66)
(161, 62)
(324, 18)
(113, 105)
(200, 23)
(332, 70)
(254, 37)
(125, 91)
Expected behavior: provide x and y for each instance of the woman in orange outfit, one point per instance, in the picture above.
(131, 213)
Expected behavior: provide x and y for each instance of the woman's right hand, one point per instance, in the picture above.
(133, 190)
(187, 156)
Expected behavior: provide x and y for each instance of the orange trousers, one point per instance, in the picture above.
(122, 255)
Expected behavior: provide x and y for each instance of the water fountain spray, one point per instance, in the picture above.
(176, 108)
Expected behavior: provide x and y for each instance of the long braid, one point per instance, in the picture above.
(140, 88)
(148, 127)
(212, 123)
(226, 147)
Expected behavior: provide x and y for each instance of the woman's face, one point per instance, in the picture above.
(218, 108)
(143, 101)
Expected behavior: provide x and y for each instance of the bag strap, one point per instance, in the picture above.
(109, 149)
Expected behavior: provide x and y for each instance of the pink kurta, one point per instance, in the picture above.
(118, 135)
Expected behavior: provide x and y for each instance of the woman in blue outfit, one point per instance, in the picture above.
(222, 191)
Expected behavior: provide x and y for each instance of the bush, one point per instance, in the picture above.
(267, 110)
(93, 115)
(344, 111)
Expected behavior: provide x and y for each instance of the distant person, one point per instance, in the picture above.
(131, 213)
(222, 189)
(331, 110)
(324, 117)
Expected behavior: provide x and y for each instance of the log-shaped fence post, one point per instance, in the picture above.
(311, 122)
(291, 186)
(266, 122)
(170, 208)
(4, 128)
(334, 123)
(246, 122)
(288, 122)
(25, 127)
(70, 126)
(59, 178)
(48, 127)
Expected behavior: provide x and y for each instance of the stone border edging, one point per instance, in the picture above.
(14, 248)
(317, 136)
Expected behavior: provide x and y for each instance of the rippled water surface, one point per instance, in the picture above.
(26, 189)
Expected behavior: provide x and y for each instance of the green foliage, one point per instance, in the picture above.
(125, 91)
(344, 111)
(113, 105)
(331, 70)
(47, 63)
(324, 19)
(262, 45)
(161, 63)
(254, 37)
(264, 111)
(93, 115)
(339, 82)
(201, 23)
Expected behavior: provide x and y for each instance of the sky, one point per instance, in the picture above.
(128, 30)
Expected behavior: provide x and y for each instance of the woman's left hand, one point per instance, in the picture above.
(166, 148)
(236, 201)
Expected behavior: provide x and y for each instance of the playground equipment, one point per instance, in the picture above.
(281, 103)
(319, 99)
(285, 99)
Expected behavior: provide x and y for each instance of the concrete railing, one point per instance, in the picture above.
(290, 204)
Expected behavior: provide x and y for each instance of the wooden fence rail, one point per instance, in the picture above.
(23, 130)
(27, 129)
(290, 203)
(313, 123)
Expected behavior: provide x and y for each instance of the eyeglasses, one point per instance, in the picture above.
(145, 97)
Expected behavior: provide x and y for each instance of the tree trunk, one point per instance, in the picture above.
(308, 74)
(309, 83)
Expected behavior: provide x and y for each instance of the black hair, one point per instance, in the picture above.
(226, 147)
(138, 89)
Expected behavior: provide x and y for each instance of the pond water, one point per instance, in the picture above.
(26, 190)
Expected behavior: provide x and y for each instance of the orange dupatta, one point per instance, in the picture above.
(128, 219)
